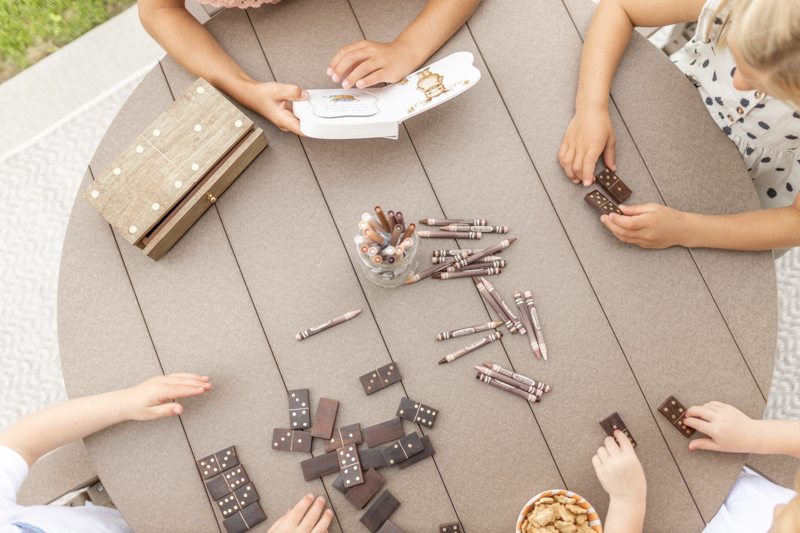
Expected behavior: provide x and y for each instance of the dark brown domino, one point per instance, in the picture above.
(675, 412)
(236, 477)
(360, 495)
(246, 495)
(424, 454)
(612, 423)
(325, 418)
(380, 511)
(320, 466)
(372, 458)
(229, 506)
(291, 440)
(247, 518)
(601, 204)
(218, 487)
(214, 464)
(616, 189)
(403, 449)
(350, 465)
(299, 409)
(417, 412)
(455, 527)
(389, 527)
(384, 432)
(380, 378)
(343, 437)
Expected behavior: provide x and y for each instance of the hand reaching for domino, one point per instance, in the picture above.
(729, 429)
(304, 517)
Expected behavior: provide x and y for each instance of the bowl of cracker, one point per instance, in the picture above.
(558, 511)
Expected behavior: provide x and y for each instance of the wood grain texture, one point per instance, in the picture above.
(380, 511)
(319, 466)
(427, 451)
(383, 432)
(360, 495)
(389, 527)
(343, 436)
(324, 418)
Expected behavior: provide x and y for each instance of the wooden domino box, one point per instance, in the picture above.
(165, 180)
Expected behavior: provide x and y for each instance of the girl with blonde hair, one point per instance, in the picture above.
(745, 62)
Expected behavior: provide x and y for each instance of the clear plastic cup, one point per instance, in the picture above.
(388, 274)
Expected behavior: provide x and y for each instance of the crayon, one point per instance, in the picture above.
(377, 259)
(396, 232)
(445, 221)
(467, 331)
(428, 271)
(506, 308)
(375, 237)
(450, 234)
(468, 273)
(523, 310)
(530, 389)
(470, 348)
(536, 326)
(482, 229)
(403, 246)
(478, 266)
(398, 216)
(409, 232)
(329, 324)
(461, 263)
(450, 253)
(494, 305)
(371, 221)
(382, 217)
(387, 252)
(519, 377)
(513, 390)
(374, 250)
(391, 219)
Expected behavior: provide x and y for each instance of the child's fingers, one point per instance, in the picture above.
(589, 161)
(602, 453)
(376, 77)
(333, 66)
(313, 514)
(697, 423)
(619, 232)
(705, 444)
(187, 375)
(297, 513)
(364, 68)
(633, 210)
(187, 381)
(577, 162)
(628, 222)
(611, 446)
(167, 409)
(324, 522)
(169, 392)
(700, 411)
(566, 163)
(597, 464)
(624, 442)
(609, 154)
(285, 91)
(286, 121)
(349, 62)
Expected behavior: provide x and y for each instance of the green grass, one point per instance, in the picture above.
(32, 29)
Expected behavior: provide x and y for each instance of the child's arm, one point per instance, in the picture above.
(191, 45)
(730, 430)
(621, 475)
(366, 63)
(590, 133)
(657, 226)
(60, 424)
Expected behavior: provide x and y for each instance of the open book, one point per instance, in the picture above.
(378, 112)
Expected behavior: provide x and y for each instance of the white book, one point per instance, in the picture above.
(378, 112)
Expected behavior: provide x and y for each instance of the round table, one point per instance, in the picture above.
(625, 327)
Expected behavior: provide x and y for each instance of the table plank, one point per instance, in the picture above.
(278, 191)
(485, 149)
(389, 173)
(739, 281)
(674, 324)
(104, 346)
(200, 318)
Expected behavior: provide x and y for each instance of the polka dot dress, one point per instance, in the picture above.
(766, 131)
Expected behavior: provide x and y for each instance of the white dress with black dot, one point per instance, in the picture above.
(766, 131)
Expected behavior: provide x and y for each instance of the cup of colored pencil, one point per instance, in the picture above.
(387, 247)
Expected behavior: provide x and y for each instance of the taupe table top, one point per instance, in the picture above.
(625, 327)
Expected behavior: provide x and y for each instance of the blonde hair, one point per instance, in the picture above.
(767, 34)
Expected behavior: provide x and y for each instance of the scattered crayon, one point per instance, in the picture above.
(470, 348)
(530, 389)
(482, 229)
(450, 234)
(467, 331)
(450, 253)
(536, 326)
(461, 263)
(506, 308)
(526, 319)
(494, 305)
(519, 377)
(445, 221)
(478, 266)
(467, 273)
(513, 390)
(329, 324)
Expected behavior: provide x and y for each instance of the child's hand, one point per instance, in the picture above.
(730, 429)
(588, 135)
(366, 63)
(152, 399)
(274, 102)
(620, 471)
(296, 520)
(649, 225)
